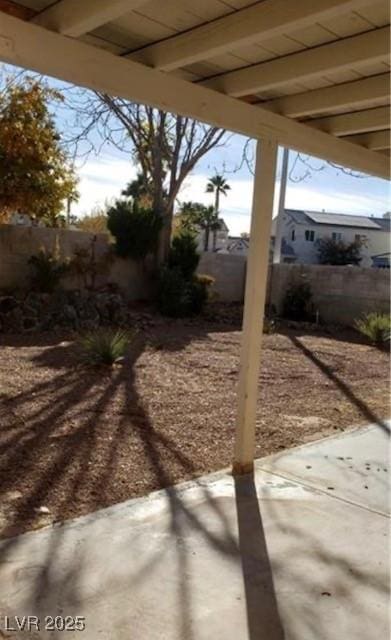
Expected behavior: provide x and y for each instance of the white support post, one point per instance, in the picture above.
(256, 280)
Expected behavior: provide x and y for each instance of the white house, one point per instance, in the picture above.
(302, 229)
(23, 219)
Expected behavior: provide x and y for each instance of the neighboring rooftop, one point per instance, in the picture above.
(242, 239)
(339, 219)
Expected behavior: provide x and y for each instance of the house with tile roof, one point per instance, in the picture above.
(301, 231)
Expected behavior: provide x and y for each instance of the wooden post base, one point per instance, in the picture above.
(239, 469)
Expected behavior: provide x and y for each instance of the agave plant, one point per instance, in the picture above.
(104, 346)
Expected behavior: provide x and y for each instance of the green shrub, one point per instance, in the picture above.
(178, 296)
(136, 230)
(183, 254)
(104, 346)
(376, 327)
(181, 292)
(47, 271)
(297, 301)
(338, 252)
(174, 293)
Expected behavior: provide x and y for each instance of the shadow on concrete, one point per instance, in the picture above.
(69, 475)
(261, 604)
(365, 411)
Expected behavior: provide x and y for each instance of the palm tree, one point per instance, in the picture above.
(139, 189)
(218, 185)
(189, 216)
(209, 221)
(195, 215)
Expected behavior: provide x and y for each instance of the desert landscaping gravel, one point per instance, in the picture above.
(74, 439)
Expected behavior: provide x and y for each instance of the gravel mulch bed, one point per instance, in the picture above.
(74, 439)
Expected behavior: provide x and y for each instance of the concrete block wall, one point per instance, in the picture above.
(229, 272)
(19, 243)
(340, 294)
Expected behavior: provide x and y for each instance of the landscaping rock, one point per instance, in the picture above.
(29, 323)
(89, 317)
(13, 320)
(77, 309)
(8, 303)
(70, 315)
(42, 509)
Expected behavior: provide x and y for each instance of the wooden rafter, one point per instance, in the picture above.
(356, 94)
(253, 24)
(374, 141)
(357, 122)
(372, 46)
(88, 66)
(16, 10)
(75, 17)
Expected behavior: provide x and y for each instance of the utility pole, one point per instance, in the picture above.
(68, 216)
(281, 207)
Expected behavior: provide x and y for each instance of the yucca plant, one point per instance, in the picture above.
(104, 346)
(376, 327)
(47, 271)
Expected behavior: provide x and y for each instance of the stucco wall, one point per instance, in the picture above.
(229, 272)
(19, 243)
(340, 294)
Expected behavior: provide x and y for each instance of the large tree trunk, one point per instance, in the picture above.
(165, 236)
(206, 239)
(167, 147)
(164, 242)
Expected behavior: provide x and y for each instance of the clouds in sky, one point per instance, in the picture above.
(102, 178)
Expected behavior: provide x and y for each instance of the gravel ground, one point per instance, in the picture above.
(75, 439)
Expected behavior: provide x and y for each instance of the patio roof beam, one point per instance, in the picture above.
(254, 303)
(253, 24)
(347, 94)
(375, 141)
(75, 17)
(94, 68)
(366, 48)
(358, 122)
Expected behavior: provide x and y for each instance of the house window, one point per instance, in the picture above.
(309, 235)
(337, 237)
(293, 234)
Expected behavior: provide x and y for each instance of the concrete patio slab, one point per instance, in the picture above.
(257, 558)
(354, 466)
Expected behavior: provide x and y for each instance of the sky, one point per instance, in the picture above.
(102, 176)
